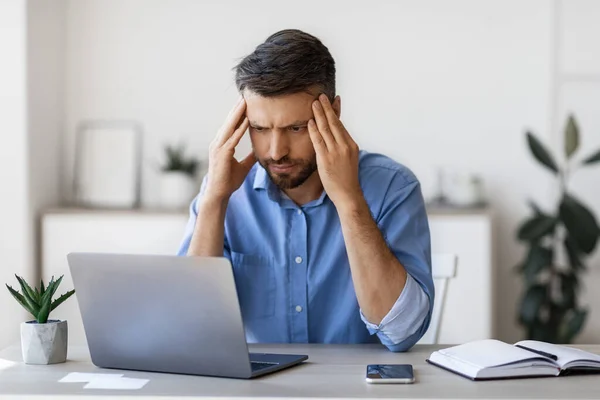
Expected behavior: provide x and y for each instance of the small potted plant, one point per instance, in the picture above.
(178, 183)
(43, 341)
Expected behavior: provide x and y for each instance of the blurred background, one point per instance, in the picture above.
(107, 108)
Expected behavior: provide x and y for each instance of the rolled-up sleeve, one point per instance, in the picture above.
(404, 225)
(404, 319)
(191, 226)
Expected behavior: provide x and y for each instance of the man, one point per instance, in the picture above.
(329, 243)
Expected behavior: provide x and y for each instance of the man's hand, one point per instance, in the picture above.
(377, 275)
(337, 155)
(225, 173)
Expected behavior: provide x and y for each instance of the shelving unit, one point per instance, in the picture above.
(467, 233)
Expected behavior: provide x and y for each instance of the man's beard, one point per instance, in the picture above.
(288, 181)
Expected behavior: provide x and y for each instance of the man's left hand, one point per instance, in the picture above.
(337, 155)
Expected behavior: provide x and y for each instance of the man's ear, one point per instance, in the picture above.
(337, 106)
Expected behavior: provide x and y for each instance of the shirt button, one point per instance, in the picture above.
(298, 260)
(299, 308)
(299, 212)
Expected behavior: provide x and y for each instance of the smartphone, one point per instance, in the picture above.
(390, 373)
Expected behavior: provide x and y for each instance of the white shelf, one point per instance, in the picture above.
(431, 211)
(465, 232)
(578, 78)
(111, 211)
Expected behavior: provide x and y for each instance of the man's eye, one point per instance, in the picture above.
(296, 128)
(257, 129)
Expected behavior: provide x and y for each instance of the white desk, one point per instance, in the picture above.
(331, 372)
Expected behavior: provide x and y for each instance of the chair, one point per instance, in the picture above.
(443, 269)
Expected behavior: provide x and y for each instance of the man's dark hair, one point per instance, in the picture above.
(289, 61)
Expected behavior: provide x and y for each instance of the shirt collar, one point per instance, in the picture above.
(263, 181)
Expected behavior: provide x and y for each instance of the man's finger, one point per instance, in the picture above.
(238, 133)
(249, 161)
(323, 125)
(335, 125)
(239, 100)
(316, 138)
(231, 122)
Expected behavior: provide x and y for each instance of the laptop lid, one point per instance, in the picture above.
(161, 313)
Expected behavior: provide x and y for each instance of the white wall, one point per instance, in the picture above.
(432, 83)
(13, 162)
(32, 55)
(46, 98)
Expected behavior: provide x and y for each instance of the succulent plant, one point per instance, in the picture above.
(38, 302)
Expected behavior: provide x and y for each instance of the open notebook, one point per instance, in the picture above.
(493, 359)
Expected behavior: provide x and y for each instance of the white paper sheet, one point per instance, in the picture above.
(117, 383)
(84, 377)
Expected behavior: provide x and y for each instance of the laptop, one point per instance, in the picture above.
(164, 313)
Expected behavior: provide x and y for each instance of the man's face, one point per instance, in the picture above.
(279, 135)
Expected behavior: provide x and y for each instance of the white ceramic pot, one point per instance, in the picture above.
(466, 191)
(44, 343)
(177, 190)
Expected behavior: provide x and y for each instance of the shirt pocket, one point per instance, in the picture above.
(255, 282)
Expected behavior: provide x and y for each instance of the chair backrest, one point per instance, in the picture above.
(443, 269)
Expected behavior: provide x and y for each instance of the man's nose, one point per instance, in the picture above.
(279, 146)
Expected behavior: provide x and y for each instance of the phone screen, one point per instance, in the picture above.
(390, 371)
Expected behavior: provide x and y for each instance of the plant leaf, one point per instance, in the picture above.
(573, 254)
(536, 227)
(539, 330)
(576, 323)
(28, 292)
(555, 316)
(538, 259)
(61, 299)
(568, 288)
(42, 316)
(536, 209)
(50, 290)
(580, 223)
(540, 153)
(42, 289)
(531, 304)
(19, 297)
(571, 137)
(594, 158)
(572, 325)
(29, 295)
(47, 300)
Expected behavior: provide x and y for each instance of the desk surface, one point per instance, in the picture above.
(336, 371)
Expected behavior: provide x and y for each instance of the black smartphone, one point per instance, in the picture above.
(390, 373)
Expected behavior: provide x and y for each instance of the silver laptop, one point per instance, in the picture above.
(166, 314)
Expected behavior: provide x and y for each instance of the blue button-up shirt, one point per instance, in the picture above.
(291, 267)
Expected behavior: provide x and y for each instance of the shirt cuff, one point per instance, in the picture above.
(406, 316)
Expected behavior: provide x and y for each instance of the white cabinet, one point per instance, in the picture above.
(469, 308)
(468, 311)
(65, 231)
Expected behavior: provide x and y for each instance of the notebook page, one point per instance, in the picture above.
(488, 353)
(565, 354)
(455, 365)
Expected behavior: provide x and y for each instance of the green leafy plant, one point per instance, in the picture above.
(558, 243)
(38, 302)
(176, 161)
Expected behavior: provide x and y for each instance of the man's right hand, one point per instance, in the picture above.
(225, 173)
